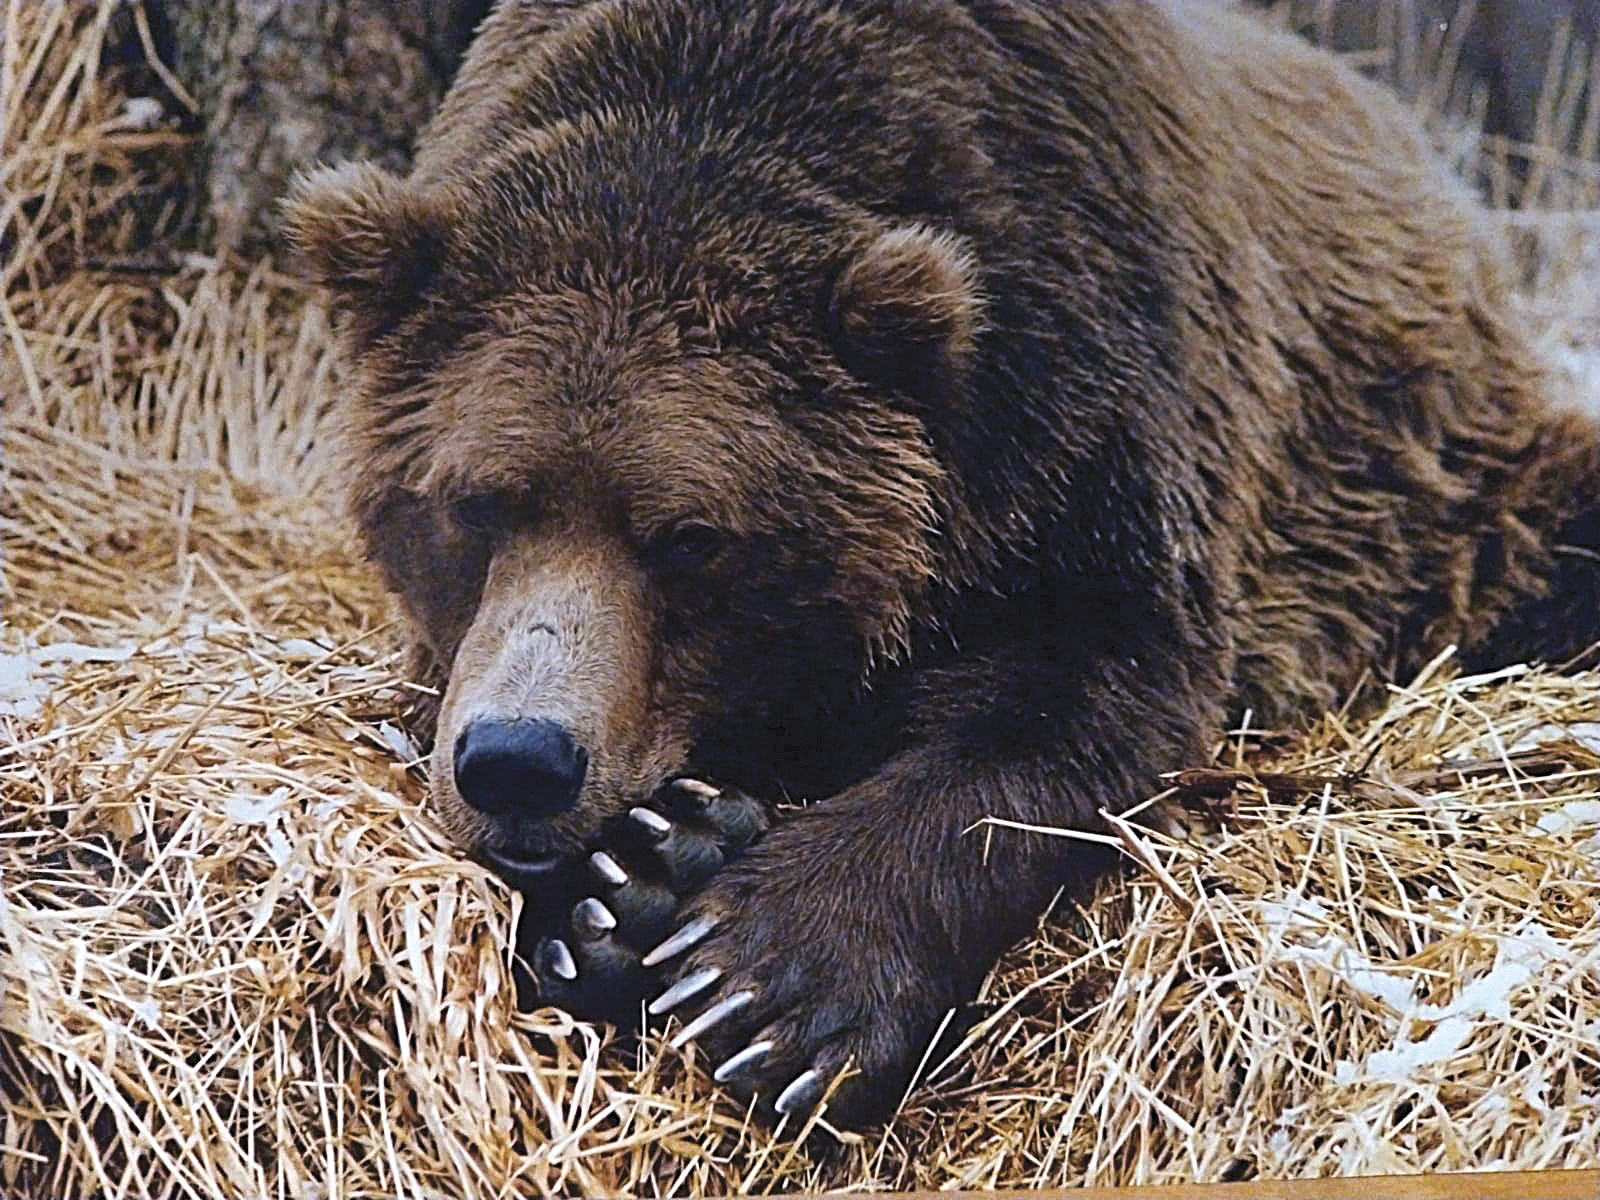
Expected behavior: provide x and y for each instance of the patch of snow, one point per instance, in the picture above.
(1297, 914)
(278, 847)
(243, 809)
(301, 648)
(399, 742)
(1354, 968)
(1300, 915)
(264, 684)
(1494, 1104)
(1487, 996)
(1518, 956)
(1585, 733)
(1407, 1057)
(323, 809)
(1581, 366)
(1533, 1089)
(73, 652)
(28, 676)
(1293, 912)
(148, 1011)
(201, 631)
(1571, 816)
(141, 112)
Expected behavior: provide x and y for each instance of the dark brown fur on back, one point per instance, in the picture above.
(934, 411)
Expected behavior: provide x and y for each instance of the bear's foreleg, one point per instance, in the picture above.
(843, 937)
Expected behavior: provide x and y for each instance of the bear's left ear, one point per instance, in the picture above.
(368, 238)
(905, 312)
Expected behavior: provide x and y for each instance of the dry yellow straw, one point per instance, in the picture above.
(237, 960)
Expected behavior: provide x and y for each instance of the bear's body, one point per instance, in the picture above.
(931, 410)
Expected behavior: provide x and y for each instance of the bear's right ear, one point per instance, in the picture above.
(366, 237)
(906, 311)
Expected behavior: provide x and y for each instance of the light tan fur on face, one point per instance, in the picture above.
(562, 633)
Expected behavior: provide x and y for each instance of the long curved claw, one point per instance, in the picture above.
(751, 1055)
(593, 919)
(719, 1011)
(687, 936)
(689, 985)
(557, 959)
(697, 788)
(801, 1095)
(607, 869)
(652, 822)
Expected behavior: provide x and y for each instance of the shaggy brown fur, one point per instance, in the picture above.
(932, 410)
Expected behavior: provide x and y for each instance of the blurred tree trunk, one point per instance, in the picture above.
(281, 85)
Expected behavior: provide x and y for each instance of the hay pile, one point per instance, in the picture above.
(237, 960)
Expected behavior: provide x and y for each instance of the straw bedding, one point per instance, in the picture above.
(238, 960)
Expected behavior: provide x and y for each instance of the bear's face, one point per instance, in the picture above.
(632, 506)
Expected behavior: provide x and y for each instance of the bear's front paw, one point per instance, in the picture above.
(792, 969)
(596, 968)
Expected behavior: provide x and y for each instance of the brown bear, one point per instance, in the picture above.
(932, 410)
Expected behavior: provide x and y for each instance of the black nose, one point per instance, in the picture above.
(530, 765)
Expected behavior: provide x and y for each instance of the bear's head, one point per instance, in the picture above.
(653, 469)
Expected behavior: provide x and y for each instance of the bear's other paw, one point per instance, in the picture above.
(598, 966)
